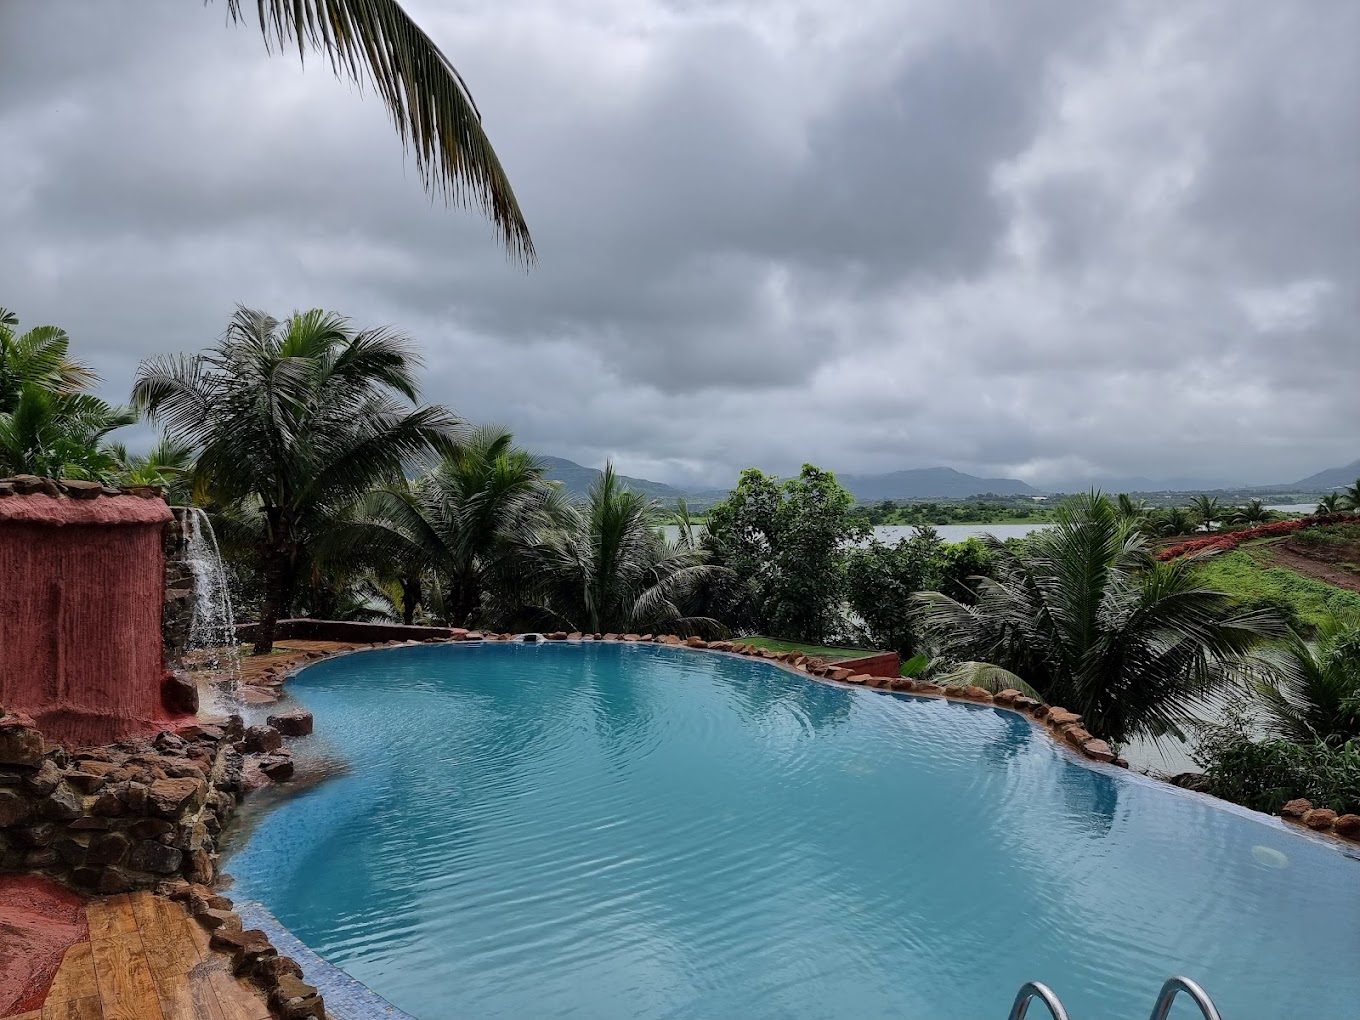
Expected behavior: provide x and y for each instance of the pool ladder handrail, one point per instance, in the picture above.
(1031, 990)
(1173, 987)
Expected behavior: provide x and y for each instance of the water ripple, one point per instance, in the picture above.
(628, 831)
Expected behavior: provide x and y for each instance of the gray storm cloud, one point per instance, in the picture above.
(1051, 239)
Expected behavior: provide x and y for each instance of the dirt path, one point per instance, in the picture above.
(1278, 554)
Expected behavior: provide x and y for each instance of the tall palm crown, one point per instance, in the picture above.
(296, 418)
(1208, 510)
(40, 356)
(48, 425)
(1088, 619)
(1330, 503)
(377, 42)
(1311, 691)
(471, 525)
(609, 568)
(1350, 496)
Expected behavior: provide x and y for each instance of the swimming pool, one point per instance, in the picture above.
(619, 830)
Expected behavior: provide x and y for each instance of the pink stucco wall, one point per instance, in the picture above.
(81, 589)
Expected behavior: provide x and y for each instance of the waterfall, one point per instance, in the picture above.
(212, 628)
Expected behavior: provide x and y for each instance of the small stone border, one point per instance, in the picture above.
(1064, 727)
(254, 957)
(346, 997)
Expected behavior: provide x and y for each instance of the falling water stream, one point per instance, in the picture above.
(212, 628)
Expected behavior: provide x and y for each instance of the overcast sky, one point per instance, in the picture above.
(1040, 238)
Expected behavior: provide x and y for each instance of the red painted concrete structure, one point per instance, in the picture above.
(39, 921)
(82, 584)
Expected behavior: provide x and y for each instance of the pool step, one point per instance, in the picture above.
(1160, 1011)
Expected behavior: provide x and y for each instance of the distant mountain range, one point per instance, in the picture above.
(946, 483)
(931, 483)
(1331, 478)
(577, 480)
(919, 483)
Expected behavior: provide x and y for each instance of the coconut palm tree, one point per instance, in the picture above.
(609, 569)
(1350, 496)
(1087, 618)
(468, 527)
(168, 464)
(59, 435)
(376, 42)
(1311, 692)
(293, 420)
(1330, 503)
(1207, 510)
(1172, 520)
(1253, 513)
(40, 356)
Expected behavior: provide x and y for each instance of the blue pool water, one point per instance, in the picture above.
(625, 831)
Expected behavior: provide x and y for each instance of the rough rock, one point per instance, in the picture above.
(278, 767)
(15, 808)
(1320, 819)
(1060, 718)
(63, 804)
(1007, 697)
(179, 693)
(1196, 781)
(261, 740)
(20, 741)
(695, 642)
(218, 920)
(295, 723)
(858, 678)
(1348, 826)
(171, 798)
(1077, 736)
(1296, 808)
(149, 855)
(1098, 750)
(45, 780)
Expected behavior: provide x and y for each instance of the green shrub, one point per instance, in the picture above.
(1265, 774)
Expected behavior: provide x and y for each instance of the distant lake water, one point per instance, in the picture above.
(892, 533)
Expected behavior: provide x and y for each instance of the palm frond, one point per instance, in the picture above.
(377, 42)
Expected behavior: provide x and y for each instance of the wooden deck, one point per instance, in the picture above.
(146, 959)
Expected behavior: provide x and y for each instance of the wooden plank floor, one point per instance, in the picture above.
(146, 959)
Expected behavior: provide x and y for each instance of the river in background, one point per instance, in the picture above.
(892, 533)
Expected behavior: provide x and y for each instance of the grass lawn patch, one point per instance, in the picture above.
(821, 651)
(1310, 601)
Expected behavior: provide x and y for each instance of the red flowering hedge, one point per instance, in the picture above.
(1229, 540)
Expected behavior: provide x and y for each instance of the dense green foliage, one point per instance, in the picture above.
(293, 421)
(1311, 690)
(335, 494)
(49, 425)
(785, 542)
(1085, 616)
(882, 582)
(1265, 774)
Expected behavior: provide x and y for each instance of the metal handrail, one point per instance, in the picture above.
(1033, 989)
(1172, 988)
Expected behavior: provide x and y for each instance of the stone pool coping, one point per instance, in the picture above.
(1064, 728)
(346, 997)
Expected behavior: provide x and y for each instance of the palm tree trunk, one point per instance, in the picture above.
(410, 598)
(279, 569)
